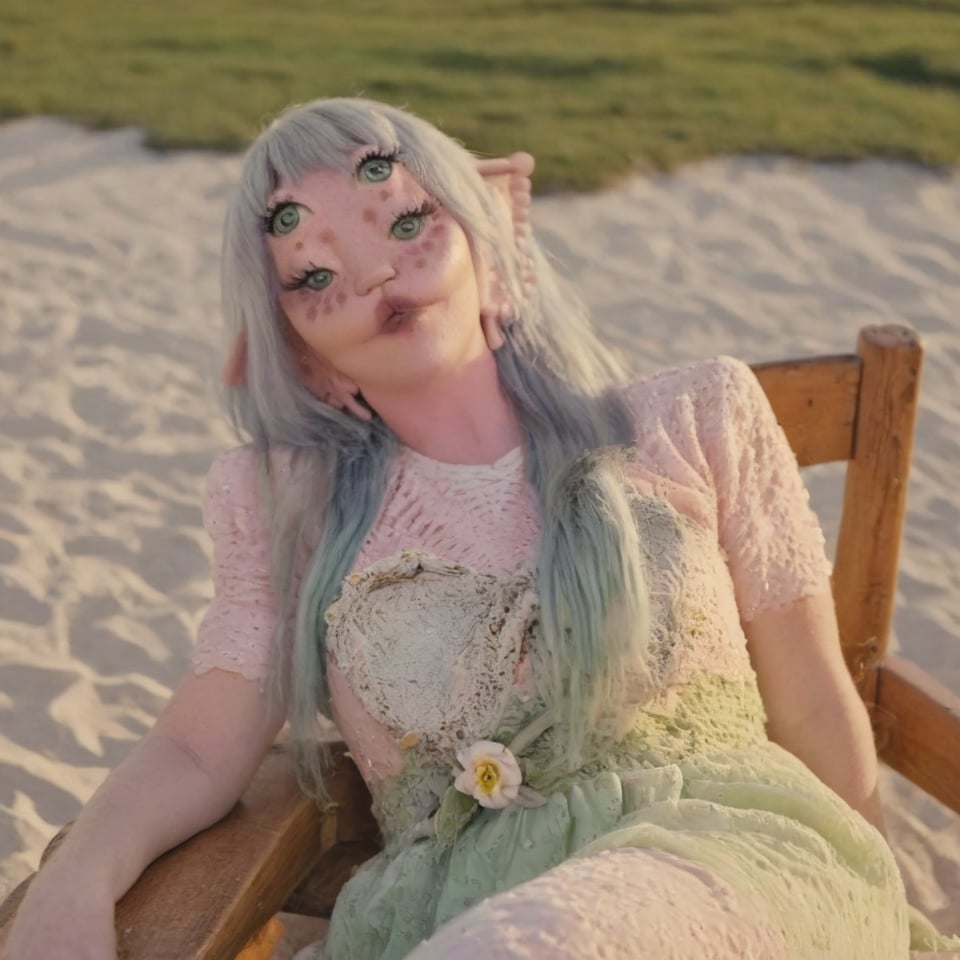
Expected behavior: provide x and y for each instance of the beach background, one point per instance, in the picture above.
(110, 343)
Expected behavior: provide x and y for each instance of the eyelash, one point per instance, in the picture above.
(425, 209)
(375, 153)
(299, 281)
(271, 212)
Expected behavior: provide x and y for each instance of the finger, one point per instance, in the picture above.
(520, 164)
(354, 406)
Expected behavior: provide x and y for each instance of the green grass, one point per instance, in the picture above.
(594, 89)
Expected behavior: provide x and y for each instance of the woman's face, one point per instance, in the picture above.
(375, 276)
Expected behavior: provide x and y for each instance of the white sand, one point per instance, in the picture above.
(109, 324)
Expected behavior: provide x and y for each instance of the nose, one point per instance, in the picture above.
(368, 280)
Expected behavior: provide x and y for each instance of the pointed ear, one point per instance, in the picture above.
(233, 373)
(509, 180)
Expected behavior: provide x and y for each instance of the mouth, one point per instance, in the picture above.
(397, 315)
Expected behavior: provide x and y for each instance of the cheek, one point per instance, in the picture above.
(304, 307)
(431, 249)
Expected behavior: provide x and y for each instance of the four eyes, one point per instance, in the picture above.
(374, 168)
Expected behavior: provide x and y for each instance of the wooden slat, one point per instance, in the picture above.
(815, 402)
(917, 727)
(233, 888)
(203, 899)
(874, 502)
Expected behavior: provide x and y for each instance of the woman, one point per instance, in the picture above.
(578, 635)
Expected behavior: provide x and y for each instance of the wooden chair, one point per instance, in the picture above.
(212, 897)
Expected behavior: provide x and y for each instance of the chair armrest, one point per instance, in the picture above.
(917, 728)
(206, 898)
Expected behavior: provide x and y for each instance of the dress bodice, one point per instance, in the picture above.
(428, 642)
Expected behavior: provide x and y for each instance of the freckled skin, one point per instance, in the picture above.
(344, 229)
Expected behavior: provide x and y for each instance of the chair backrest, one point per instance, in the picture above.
(862, 408)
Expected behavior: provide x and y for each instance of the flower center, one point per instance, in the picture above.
(488, 776)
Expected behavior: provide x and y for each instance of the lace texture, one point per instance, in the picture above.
(237, 631)
(708, 451)
(482, 517)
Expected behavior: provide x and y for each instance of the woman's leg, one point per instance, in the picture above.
(625, 904)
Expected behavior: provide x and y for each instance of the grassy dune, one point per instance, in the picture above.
(594, 89)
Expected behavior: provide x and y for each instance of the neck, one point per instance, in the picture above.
(464, 418)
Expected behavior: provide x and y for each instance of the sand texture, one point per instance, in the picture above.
(109, 344)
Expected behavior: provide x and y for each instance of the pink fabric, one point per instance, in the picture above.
(707, 444)
(617, 905)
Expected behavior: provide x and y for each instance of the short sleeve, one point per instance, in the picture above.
(236, 633)
(771, 538)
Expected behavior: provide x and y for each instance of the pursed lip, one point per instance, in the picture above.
(395, 313)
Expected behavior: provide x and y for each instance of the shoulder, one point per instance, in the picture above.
(235, 483)
(701, 389)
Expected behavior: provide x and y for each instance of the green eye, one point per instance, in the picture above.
(284, 219)
(407, 227)
(375, 169)
(318, 279)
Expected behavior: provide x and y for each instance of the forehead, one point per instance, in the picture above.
(323, 184)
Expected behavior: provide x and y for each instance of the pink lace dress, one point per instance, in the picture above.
(692, 835)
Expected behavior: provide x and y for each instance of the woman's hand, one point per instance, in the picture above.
(62, 917)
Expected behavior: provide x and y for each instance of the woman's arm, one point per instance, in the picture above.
(813, 708)
(185, 775)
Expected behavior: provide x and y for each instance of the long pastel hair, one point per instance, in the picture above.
(592, 650)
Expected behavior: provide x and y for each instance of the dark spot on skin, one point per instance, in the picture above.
(312, 313)
(386, 193)
(427, 244)
(299, 244)
(328, 236)
(327, 309)
(341, 298)
(370, 216)
(420, 263)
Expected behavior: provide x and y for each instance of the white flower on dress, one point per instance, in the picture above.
(491, 774)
